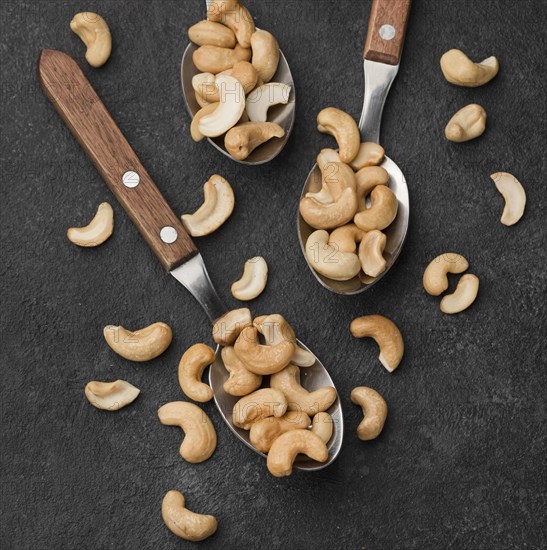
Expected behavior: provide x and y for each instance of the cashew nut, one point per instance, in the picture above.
(514, 195)
(367, 179)
(345, 238)
(258, 405)
(95, 34)
(298, 398)
(262, 359)
(191, 367)
(204, 111)
(141, 345)
(204, 86)
(217, 207)
(463, 296)
(435, 280)
(228, 327)
(344, 129)
(370, 154)
(386, 335)
(235, 16)
(246, 74)
(184, 523)
(253, 281)
(209, 33)
(97, 231)
(468, 123)
(265, 54)
(327, 260)
(285, 448)
(244, 138)
(460, 70)
(200, 438)
(371, 253)
(264, 432)
(323, 426)
(213, 59)
(374, 412)
(335, 177)
(241, 381)
(266, 96)
(382, 211)
(111, 396)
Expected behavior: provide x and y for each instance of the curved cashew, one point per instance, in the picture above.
(298, 398)
(246, 74)
(204, 111)
(265, 54)
(204, 86)
(241, 381)
(244, 138)
(184, 523)
(367, 179)
(345, 238)
(200, 438)
(262, 359)
(371, 253)
(97, 231)
(141, 345)
(382, 211)
(325, 259)
(514, 195)
(374, 412)
(201, 101)
(460, 70)
(253, 281)
(328, 216)
(435, 280)
(228, 327)
(216, 209)
(463, 296)
(468, 123)
(266, 96)
(342, 126)
(264, 432)
(258, 405)
(323, 426)
(191, 367)
(95, 34)
(370, 154)
(235, 16)
(335, 178)
(213, 59)
(209, 33)
(285, 448)
(111, 396)
(386, 335)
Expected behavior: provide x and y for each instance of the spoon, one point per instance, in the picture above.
(86, 116)
(383, 48)
(280, 114)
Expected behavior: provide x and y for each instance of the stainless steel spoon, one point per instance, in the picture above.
(383, 48)
(280, 114)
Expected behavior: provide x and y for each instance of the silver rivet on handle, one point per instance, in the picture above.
(387, 32)
(131, 179)
(168, 234)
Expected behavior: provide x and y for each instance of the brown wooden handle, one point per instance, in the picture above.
(88, 119)
(386, 30)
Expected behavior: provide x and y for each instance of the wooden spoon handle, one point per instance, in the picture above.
(386, 30)
(88, 119)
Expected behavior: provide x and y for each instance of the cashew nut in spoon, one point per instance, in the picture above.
(328, 216)
(111, 396)
(385, 333)
(95, 34)
(204, 86)
(141, 345)
(194, 126)
(265, 54)
(244, 138)
(217, 207)
(344, 129)
(264, 432)
(235, 16)
(345, 238)
(460, 70)
(435, 278)
(227, 328)
(241, 381)
(371, 253)
(202, 102)
(258, 405)
(467, 124)
(210, 33)
(323, 426)
(370, 154)
(514, 195)
(335, 178)
(184, 523)
(367, 179)
(374, 412)
(191, 366)
(262, 98)
(212, 59)
(463, 296)
(382, 211)
(253, 281)
(98, 230)
(200, 438)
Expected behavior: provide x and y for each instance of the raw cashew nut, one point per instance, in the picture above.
(228, 327)
(111, 396)
(253, 281)
(241, 381)
(335, 178)
(265, 54)
(95, 34)
(264, 432)
(386, 335)
(460, 70)
(382, 211)
(212, 59)
(435, 280)
(285, 448)
(205, 88)
(204, 111)
(345, 238)
(191, 367)
(344, 129)
(266, 96)
(514, 195)
(97, 231)
(367, 179)
(262, 359)
(374, 412)
(184, 523)
(371, 253)
(200, 438)
(244, 138)
(468, 123)
(298, 398)
(327, 260)
(322, 215)
(258, 405)
(463, 296)
(217, 207)
(323, 426)
(209, 33)
(235, 16)
(141, 345)
(370, 154)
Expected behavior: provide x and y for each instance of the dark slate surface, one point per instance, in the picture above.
(461, 462)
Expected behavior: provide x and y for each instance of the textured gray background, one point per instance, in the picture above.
(461, 462)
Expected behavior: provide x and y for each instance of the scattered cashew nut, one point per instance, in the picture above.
(370, 154)
(342, 126)
(97, 231)
(460, 70)
(111, 396)
(514, 195)
(192, 364)
(374, 412)
(467, 124)
(264, 432)
(213, 59)
(228, 327)
(258, 405)
(435, 275)
(463, 296)
(265, 54)
(241, 381)
(262, 98)
(371, 253)
(253, 281)
(95, 34)
(382, 211)
(141, 345)
(210, 33)
(323, 425)
(244, 138)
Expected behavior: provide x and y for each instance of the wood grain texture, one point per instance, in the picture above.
(85, 114)
(387, 12)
